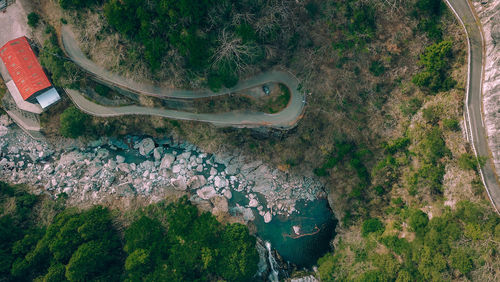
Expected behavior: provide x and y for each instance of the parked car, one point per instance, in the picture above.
(266, 89)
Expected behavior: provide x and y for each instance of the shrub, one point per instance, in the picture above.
(74, 123)
(411, 107)
(377, 68)
(418, 221)
(436, 62)
(33, 19)
(74, 4)
(461, 261)
(467, 161)
(433, 147)
(372, 225)
(431, 114)
(451, 124)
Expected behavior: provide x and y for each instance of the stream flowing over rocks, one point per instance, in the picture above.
(489, 14)
(142, 167)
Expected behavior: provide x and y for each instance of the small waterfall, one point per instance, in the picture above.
(274, 265)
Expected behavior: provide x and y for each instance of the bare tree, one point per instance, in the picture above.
(232, 50)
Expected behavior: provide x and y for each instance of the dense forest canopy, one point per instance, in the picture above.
(164, 242)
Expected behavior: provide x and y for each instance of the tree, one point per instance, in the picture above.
(436, 62)
(238, 256)
(33, 19)
(93, 260)
(372, 225)
(55, 273)
(418, 221)
(74, 123)
(461, 261)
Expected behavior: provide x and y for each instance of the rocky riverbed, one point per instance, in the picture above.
(142, 167)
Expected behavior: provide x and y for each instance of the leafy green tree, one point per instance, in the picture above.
(372, 225)
(461, 261)
(436, 63)
(418, 221)
(404, 276)
(74, 123)
(451, 124)
(55, 273)
(238, 256)
(94, 260)
(73, 4)
(33, 19)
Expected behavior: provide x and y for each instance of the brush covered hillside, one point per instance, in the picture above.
(382, 127)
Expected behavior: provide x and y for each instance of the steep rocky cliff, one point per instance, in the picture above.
(489, 14)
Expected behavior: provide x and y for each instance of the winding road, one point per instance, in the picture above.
(288, 117)
(285, 119)
(476, 133)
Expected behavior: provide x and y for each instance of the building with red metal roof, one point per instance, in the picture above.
(27, 73)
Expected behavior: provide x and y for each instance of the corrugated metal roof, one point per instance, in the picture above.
(23, 67)
(48, 97)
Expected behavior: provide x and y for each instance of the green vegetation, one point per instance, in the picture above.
(429, 14)
(358, 27)
(436, 61)
(64, 73)
(372, 225)
(447, 247)
(451, 124)
(279, 103)
(201, 31)
(377, 68)
(74, 123)
(349, 153)
(469, 161)
(196, 246)
(165, 242)
(75, 4)
(411, 107)
(33, 19)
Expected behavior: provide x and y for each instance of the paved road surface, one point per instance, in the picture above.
(284, 119)
(476, 132)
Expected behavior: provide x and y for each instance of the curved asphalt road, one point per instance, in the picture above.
(475, 130)
(284, 119)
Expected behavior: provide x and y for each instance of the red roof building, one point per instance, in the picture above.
(23, 67)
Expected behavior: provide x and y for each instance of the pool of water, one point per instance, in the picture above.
(314, 218)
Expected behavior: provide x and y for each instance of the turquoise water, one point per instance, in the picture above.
(303, 251)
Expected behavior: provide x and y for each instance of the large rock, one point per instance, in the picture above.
(267, 217)
(5, 120)
(120, 159)
(157, 153)
(246, 213)
(146, 146)
(196, 182)
(309, 278)
(206, 193)
(167, 161)
(253, 203)
(176, 169)
(220, 182)
(179, 183)
(220, 206)
(3, 130)
(228, 194)
(125, 189)
(124, 167)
